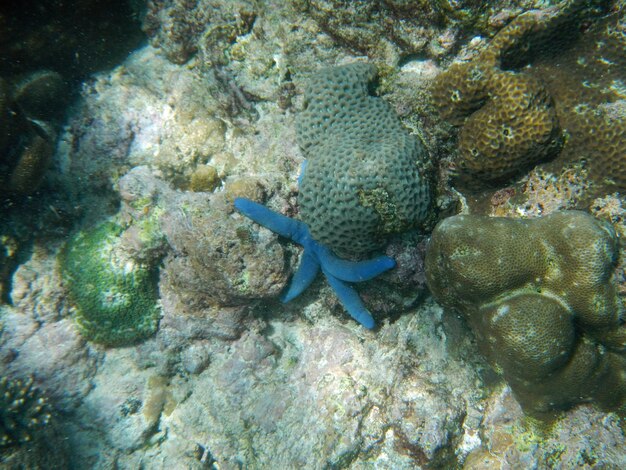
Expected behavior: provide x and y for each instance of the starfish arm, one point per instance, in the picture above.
(269, 219)
(351, 301)
(353, 271)
(304, 276)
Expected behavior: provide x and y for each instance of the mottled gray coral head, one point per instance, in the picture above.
(365, 175)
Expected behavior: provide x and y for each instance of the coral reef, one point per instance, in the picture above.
(42, 49)
(581, 438)
(515, 128)
(508, 119)
(331, 378)
(232, 378)
(399, 27)
(102, 141)
(180, 29)
(542, 298)
(543, 192)
(365, 175)
(115, 295)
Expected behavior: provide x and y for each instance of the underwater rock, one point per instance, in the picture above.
(146, 112)
(180, 28)
(541, 296)
(37, 318)
(195, 358)
(584, 435)
(362, 402)
(216, 267)
(398, 27)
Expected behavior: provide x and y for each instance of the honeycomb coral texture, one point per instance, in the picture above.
(508, 119)
(541, 297)
(364, 177)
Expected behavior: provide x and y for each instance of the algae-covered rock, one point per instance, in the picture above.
(114, 295)
(216, 267)
(542, 298)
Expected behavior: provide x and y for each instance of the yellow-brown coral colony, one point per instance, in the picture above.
(542, 298)
(519, 103)
(515, 128)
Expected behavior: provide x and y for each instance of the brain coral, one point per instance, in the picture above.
(542, 299)
(365, 174)
(114, 295)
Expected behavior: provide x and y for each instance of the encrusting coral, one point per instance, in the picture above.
(508, 118)
(542, 298)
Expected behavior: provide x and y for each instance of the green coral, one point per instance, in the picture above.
(115, 296)
(541, 296)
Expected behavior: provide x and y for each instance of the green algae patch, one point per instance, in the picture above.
(115, 296)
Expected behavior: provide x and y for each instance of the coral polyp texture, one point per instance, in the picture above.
(542, 299)
(23, 411)
(114, 295)
(548, 84)
(365, 177)
(508, 119)
(29, 433)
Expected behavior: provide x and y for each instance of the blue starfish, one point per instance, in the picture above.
(316, 256)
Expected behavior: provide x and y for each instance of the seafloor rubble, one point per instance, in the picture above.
(137, 202)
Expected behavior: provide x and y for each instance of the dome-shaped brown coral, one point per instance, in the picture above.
(541, 296)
